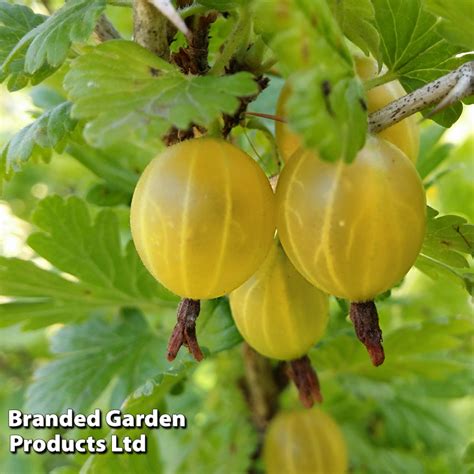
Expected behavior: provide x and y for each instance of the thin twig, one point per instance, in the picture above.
(442, 93)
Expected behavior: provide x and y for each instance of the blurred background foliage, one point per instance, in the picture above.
(412, 415)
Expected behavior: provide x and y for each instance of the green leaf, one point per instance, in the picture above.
(120, 167)
(457, 22)
(432, 154)
(143, 100)
(15, 22)
(334, 125)
(36, 140)
(90, 357)
(220, 437)
(102, 195)
(448, 238)
(369, 459)
(326, 106)
(49, 42)
(216, 329)
(356, 19)
(413, 50)
(149, 396)
(426, 350)
(106, 276)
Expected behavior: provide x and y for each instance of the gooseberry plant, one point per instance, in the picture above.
(158, 131)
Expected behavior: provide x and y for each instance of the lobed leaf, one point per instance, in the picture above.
(142, 101)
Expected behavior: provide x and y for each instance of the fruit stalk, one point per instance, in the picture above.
(184, 332)
(365, 318)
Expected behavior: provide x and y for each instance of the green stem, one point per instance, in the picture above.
(234, 42)
(379, 80)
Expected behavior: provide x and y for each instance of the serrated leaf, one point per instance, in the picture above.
(457, 22)
(107, 276)
(90, 356)
(38, 139)
(15, 22)
(326, 106)
(142, 101)
(49, 42)
(357, 18)
(413, 49)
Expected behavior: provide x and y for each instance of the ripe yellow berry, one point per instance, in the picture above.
(203, 217)
(304, 442)
(277, 311)
(353, 230)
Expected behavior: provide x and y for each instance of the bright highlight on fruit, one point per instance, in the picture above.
(202, 218)
(304, 442)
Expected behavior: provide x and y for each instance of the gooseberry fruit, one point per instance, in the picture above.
(202, 220)
(202, 217)
(281, 315)
(405, 134)
(278, 312)
(304, 442)
(353, 230)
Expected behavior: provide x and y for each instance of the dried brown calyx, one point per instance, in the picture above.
(184, 332)
(365, 318)
(303, 375)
